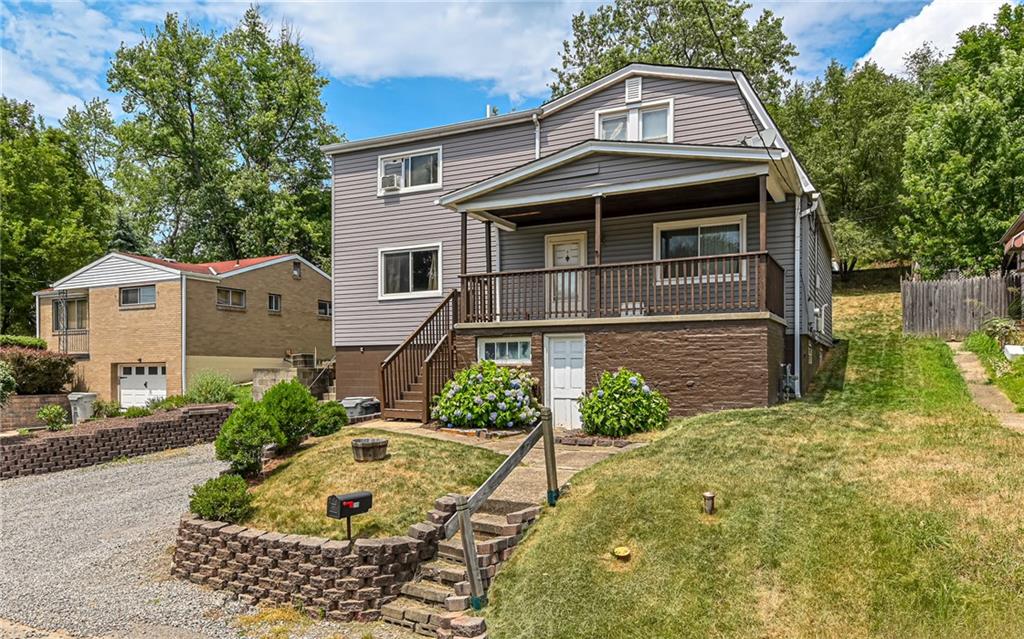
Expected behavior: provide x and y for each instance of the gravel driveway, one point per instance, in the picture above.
(88, 551)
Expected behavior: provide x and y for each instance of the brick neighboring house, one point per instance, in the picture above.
(141, 326)
(654, 219)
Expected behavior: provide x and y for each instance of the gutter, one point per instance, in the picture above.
(798, 279)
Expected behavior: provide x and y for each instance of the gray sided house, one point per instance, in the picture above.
(655, 219)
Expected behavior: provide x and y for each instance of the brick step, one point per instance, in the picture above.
(432, 621)
(496, 525)
(436, 594)
(443, 571)
(489, 548)
(402, 413)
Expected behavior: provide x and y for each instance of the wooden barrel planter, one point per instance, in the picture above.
(369, 448)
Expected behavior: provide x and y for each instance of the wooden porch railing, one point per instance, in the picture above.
(405, 366)
(718, 284)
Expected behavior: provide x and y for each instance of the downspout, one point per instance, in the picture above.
(536, 137)
(798, 279)
(184, 332)
(37, 314)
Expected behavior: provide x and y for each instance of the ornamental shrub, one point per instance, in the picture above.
(225, 498)
(330, 418)
(136, 411)
(7, 383)
(24, 341)
(54, 415)
(486, 395)
(242, 438)
(167, 403)
(622, 403)
(292, 409)
(38, 372)
(102, 409)
(210, 387)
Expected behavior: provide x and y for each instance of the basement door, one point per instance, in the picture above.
(140, 383)
(565, 357)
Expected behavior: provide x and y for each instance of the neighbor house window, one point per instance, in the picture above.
(274, 303)
(137, 295)
(410, 272)
(414, 171)
(230, 297)
(70, 315)
(323, 308)
(504, 350)
(648, 122)
(701, 238)
(297, 270)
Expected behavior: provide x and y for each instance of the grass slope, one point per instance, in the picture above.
(886, 506)
(404, 486)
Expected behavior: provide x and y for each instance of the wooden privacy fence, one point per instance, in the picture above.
(956, 307)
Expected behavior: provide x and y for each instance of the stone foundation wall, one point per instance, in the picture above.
(20, 411)
(105, 440)
(340, 580)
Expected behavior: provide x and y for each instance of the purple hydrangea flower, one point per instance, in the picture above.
(479, 377)
(501, 406)
(646, 389)
(634, 381)
(477, 400)
(509, 424)
(491, 397)
(600, 393)
(493, 416)
(458, 412)
(515, 383)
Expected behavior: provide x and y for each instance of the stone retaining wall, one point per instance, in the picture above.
(105, 440)
(339, 580)
(20, 411)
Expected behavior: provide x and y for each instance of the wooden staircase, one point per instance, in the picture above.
(417, 370)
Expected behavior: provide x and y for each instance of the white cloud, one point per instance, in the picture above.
(22, 84)
(937, 23)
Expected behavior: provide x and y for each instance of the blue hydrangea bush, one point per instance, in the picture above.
(622, 403)
(486, 395)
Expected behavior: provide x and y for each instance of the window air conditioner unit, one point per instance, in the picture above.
(390, 182)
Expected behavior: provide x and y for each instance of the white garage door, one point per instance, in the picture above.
(141, 383)
(565, 375)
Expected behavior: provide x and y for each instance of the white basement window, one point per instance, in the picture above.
(647, 122)
(409, 172)
(138, 295)
(410, 272)
(504, 350)
(230, 297)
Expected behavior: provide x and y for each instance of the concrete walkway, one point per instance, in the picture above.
(528, 482)
(983, 391)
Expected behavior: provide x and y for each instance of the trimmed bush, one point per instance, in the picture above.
(330, 418)
(54, 415)
(225, 498)
(24, 341)
(486, 395)
(7, 383)
(136, 411)
(38, 372)
(102, 409)
(292, 409)
(622, 403)
(243, 436)
(210, 387)
(168, 403)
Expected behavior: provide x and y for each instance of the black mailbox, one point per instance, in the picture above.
(342, 506)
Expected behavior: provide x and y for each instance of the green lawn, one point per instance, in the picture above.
(887, 505)
(293, 499)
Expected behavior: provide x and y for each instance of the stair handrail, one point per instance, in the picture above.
(444, 345)
(454, 293)
(466, 507)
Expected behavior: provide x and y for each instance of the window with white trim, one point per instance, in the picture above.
(504, 350)
(137, 295)
(274, 302)
(324, 308)
(705, 237)
(648, 122)
(230, 297)
(410, 272)
(415, 171)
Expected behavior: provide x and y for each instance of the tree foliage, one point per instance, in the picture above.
(56, 215)
(676, 32)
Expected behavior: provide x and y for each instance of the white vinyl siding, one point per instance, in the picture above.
(117, 270)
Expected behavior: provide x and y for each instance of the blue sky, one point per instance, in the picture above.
(404, 65)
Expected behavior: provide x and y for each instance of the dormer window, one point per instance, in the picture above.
(646, 122)
(408, 172)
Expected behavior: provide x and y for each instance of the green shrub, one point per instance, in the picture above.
(622, 403)
(243, 436)
(54, 415)
(38, 372)
(291, 407)
(982, 344)
(330, 418)
(486, 395)
(7, 383)
(101, 408)
(136, 411)
(167, 403)
(225, 498)
(24, 341)
(210, 387)
(1002, 329)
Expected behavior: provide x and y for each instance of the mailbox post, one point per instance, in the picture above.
(344, 506)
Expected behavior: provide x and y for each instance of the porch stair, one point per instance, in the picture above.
(437, 602)
(415, 371)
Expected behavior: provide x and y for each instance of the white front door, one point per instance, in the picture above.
(140, 383)
(566, 357)
(565, 291)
